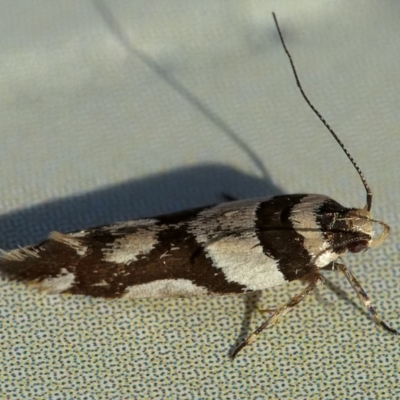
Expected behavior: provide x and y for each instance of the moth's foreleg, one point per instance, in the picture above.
(316, 280)
(363, 297)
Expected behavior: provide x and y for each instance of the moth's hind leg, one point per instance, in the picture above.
(315, 280)
(362, 295)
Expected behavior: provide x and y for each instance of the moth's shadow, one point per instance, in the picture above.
(251, 305)
(165, 193)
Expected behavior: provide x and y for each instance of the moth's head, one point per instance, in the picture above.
(356, 230)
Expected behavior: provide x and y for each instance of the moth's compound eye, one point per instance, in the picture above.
(357, 247)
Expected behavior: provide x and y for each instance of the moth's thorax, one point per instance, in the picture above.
(311, 218)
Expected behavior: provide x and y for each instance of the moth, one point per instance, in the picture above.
(233, 247)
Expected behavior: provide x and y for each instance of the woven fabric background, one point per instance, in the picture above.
(113, 110)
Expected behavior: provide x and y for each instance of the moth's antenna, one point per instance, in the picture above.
(364, 181)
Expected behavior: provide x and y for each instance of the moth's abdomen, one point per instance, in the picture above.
(232, 247)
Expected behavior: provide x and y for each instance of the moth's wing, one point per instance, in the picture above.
(109, 261)
(228, 248)
(96, 261)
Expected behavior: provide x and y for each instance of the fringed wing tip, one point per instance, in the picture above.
(25, 264)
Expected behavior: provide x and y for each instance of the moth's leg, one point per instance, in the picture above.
(363, 297)
(316, 280)
(266, 310)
